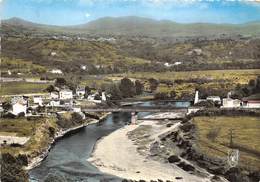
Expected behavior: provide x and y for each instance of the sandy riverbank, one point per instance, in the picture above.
(119, 155)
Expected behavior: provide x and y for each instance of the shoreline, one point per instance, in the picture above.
(36, 161)
(132, 161)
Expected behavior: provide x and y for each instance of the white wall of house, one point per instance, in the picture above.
(38, 100)
(214, 99)
(231, 103)
(76, 109)
(56, 71)
(252, 104)
(54, 103)
(19, 108)
(103, 97)
(91, 97)
(65, 94)
(196, 99)
(54, 95)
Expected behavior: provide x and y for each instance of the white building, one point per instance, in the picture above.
(53, 53)
(19, 105)
(65, 94)
(54, 95)
(215, 99)
(196, 99)
(103, 97)
(93, 96)
(9, 72)
(80, 92)
(19, 108)
(38, 100)
(177, 63)
(76, 109)
(252, 101)
(54, 103)
(83, 67)
(231, 103)
(252, 104)
(56, 71)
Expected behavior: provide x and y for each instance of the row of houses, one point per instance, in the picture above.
(247, 102)
(63, 98)
(65, 94)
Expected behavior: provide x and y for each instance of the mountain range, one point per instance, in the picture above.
(137, 26)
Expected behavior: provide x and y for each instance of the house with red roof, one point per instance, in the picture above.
(252, 101)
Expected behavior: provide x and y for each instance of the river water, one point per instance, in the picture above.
(68, 157)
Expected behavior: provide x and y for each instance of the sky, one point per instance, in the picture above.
(74, 12)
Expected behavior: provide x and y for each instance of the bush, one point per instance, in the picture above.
(12, 169)
(76, 117)
(213, 134)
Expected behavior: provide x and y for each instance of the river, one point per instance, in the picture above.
(68, 157)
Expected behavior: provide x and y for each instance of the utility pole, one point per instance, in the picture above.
(231, 138)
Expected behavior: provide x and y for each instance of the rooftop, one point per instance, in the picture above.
(252, 97)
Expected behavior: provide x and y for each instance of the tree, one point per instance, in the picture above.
(153, 84)
(6, 106)
(257, 85)
(251, 83)
(76, 117)
(87, 91)
(50, 88)
(172, 94)
(12, 169)
(161, 96)
(127, 88)
(60, 82)
(115, 92)
(139, 87)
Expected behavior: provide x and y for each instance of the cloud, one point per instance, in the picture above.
(87, 15)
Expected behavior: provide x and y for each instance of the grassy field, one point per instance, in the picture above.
(214, 136)
(12, 88)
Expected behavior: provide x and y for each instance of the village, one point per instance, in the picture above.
(62, 100)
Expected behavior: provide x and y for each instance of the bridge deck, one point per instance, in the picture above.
(135, 109)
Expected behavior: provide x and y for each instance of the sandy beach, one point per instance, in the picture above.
(117, 154)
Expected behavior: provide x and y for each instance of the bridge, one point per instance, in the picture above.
(137, 109)
(134, 110)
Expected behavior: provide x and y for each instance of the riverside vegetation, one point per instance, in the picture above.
(41, 132)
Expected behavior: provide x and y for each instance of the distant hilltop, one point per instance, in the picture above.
(136, 26)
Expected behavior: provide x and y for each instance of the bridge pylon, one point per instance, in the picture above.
(134, 118)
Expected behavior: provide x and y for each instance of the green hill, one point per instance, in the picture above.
(132, 25)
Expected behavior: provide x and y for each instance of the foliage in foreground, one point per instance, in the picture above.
(12, 168)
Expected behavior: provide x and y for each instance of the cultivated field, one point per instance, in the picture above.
(238, 76)
(37, 129)
(218, 82)
(12, 88)
(213, 134)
